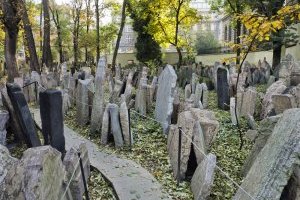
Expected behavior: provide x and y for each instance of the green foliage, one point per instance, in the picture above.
(206, 42)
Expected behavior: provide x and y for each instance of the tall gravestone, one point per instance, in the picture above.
(52, 119)
(98, 101)
(164, 97)
(23, 114)
(223, 89)
(274, 165)
(82, 101)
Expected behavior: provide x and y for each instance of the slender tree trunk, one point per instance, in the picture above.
(41, 31)
(11, 37)
(238, 34)
(119, 36)
(34, 62)
(56, 20)
(98, 30)
(277, 46)
(179, 56)
(47, 56)
(27, 59)
(87, 27)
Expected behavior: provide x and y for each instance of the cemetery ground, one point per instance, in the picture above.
(150, 151)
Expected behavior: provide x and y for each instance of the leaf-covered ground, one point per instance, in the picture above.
(227, 149)
(149, 150)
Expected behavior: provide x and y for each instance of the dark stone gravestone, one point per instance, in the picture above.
(23, 114)
(223, 89)
(52, 119)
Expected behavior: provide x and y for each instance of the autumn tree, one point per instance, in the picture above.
(10, 18)
(76, 13)
(168, 22)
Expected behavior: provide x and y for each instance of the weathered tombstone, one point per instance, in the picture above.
(124, 120)
(275, 163)
(70, 162)
(223, 88)
(153, 88)
(164, 97)
(198, 95)
(52, 119)
(271, 81)
(82, 102)
(105, 130)
(295, 74)
(141, 99)
(115, 125)
(191, 134)
(187, 91)
(23, 114)
(194, 82)
(283, 102)
(4, 116)
(248, 102)
(38, 175)
(98, 101)
(204, 96)
(176, 106)
(203, 178)
(267, 106)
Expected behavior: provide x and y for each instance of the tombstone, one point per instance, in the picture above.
(176, 107)
(13, 119)
(23, 115)
(187, 91)
(204, 97)
(283, 102)
(223, 89)
(141, 99)
(274, 165)
(190, 156)
(52, 119)
(72, 90)
(198, 96)
(38, 175)
(98, 101)
(70, 162)
(124, 120)
(153, 88)
(232, 111)
(105, 130)
(194, 82)
(203, 178)
(164, 97)
(19, 81)
(271, 81)
(115, 125)
(295, 74)
(118, 72)
(248, 102)
(4, 116)
(82, 102)
(267, 106)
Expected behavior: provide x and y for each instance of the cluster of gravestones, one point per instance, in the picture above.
(35, 170)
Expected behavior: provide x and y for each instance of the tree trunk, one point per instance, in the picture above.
(41, 31)
(179, 56)
(119, 36)
(277, 46)
(238, 34)
(34, 62)
(98, 30)
(87, 27)
(11, 37)
(47, 56)
(60, 47)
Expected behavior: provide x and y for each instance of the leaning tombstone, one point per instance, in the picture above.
(124, 120)
(98, 101)
(23, 114)
(276, 162)
(4, 116)
(82, 102)
(164, 97)
(52, 119)
(115, 125)
(203, 178)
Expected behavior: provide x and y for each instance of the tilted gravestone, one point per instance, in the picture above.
(115, 125)
(164, 97)
(4, 116)
(223, 89)
(82, 101)
(203, 178)
(98, 101)
(52, 119)
(274, 165)
(23, 114)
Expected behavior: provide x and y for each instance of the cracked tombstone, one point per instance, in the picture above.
(115, 125)
(164, 97)
(98, 101)
(124, 119)
(52, 119)
(274, 165)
